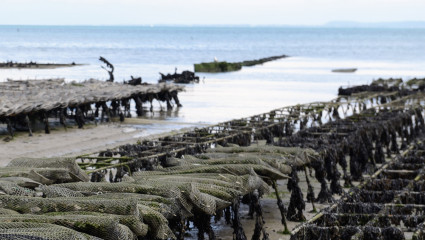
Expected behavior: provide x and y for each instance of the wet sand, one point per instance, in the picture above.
(90, 139)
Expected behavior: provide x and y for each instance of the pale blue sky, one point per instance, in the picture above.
(194, 12)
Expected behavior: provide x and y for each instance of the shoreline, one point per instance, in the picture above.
(74, 141)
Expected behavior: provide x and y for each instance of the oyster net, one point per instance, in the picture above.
(55, 195)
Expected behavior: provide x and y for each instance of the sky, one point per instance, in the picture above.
(200, 12)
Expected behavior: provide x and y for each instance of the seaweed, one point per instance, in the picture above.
(224, 66)
(282, 208)
(238, 232)
(296, 203)
(202, 222)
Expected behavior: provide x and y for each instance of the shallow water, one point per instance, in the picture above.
(276, 84)
(142, 51)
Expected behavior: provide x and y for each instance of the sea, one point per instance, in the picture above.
(305, 76)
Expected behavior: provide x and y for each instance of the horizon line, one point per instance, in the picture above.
(331, 24)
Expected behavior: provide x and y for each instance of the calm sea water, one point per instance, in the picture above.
(144, 51)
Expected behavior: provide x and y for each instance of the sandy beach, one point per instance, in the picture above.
(90, 139)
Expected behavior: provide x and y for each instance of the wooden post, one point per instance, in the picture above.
(310, 190)
(281, 208)
(9, 127)
(176, 98)
(28, 122)
(139, 106)
(105, 110)
(45, 117)
(79, 117)
(62, 118)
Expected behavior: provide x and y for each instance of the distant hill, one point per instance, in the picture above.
(406, 24)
